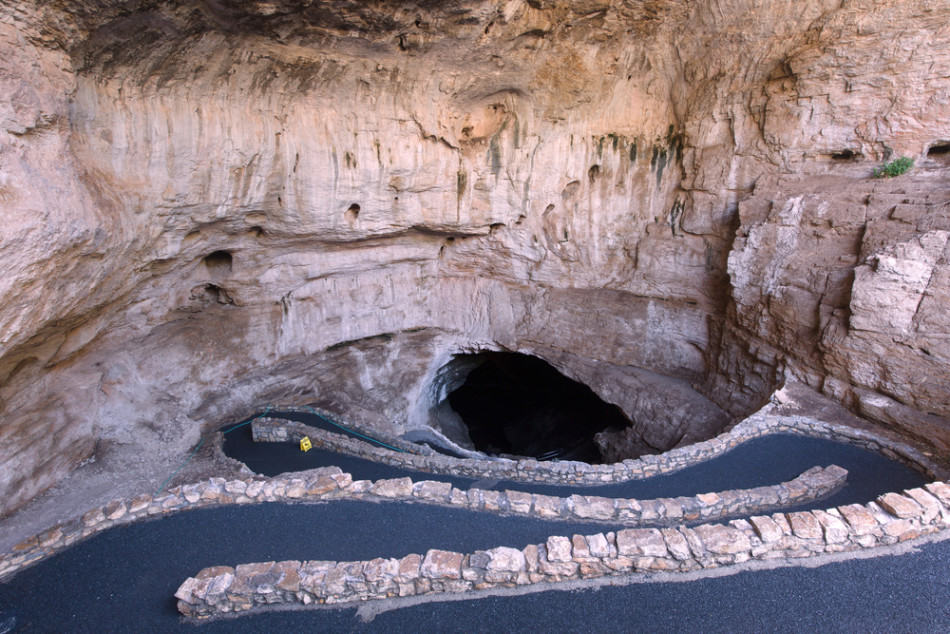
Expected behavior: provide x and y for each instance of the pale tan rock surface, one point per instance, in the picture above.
(651, 196)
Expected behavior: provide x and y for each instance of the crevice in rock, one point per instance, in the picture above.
(845, 155)
(219, 263)
(940, 151)
(208, 294)
(593, 173)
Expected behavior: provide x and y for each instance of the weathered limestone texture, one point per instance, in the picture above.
(861, 312)
(211, 206)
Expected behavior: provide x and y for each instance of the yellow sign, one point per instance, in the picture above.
(305, 444)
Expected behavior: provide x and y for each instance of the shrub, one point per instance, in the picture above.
(894, 168)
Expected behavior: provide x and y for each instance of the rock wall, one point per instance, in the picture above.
(847, 282)
(213, 205)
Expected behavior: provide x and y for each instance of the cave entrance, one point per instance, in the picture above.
(940, 152)
(517, 404)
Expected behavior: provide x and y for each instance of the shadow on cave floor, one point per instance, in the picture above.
(759, 462)
(515, 404)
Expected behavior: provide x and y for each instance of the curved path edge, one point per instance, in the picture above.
(331, 483)
(892, 519)
(762, 423)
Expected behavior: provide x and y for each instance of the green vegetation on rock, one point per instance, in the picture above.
(894, 168)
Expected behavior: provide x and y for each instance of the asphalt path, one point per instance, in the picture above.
(907, 593)
(123, 580)
(763, 461)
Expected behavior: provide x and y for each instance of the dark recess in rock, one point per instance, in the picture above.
(845, 155)
(211, 294)
(219, 262)
(517, 404)
(940, 151)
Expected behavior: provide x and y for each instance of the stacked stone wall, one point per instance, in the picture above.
(758, 425)
(892, 518)
(330, 483)
(661, 541)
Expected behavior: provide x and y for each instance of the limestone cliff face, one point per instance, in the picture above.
(211, 206)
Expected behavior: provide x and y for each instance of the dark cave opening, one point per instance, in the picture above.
(845, 155)
(940, 151)
(219, 262)
(520, 405)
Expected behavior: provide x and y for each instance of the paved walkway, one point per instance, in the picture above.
(760, 462)
(124, 579)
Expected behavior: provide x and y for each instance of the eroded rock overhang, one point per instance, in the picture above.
(211, 207)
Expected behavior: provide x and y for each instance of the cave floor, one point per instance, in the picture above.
(118, 471)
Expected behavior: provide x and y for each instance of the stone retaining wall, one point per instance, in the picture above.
(760, 424)
(892, 518)
(330, 483)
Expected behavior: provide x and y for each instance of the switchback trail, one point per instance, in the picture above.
(124, 579)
